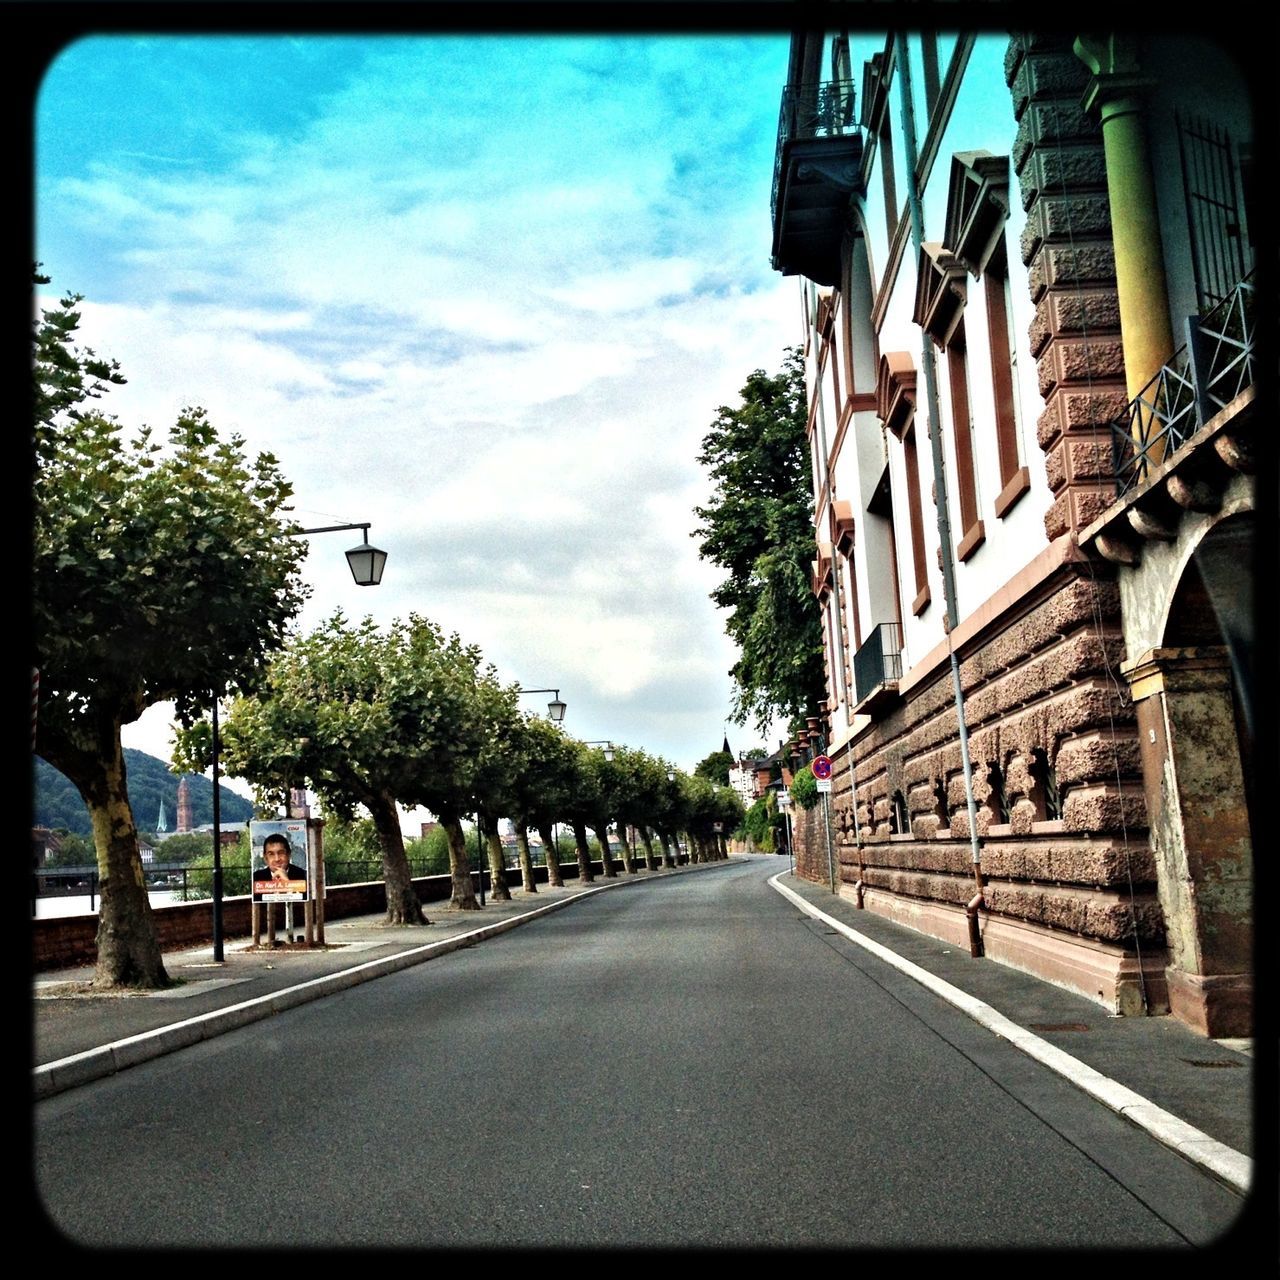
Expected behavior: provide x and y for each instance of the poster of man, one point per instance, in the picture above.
(280, 861)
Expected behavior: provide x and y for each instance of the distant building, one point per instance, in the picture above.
(185, 819)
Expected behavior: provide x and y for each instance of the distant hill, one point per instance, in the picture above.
(58, 804)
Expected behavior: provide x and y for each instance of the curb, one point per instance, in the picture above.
(1223, 1162)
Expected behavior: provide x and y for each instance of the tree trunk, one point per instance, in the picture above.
(628, 859)
(647, 840)
(667, 859)
(722, 841)
(551, 855)
(585, 874)
(403, 906)
(128, 950)
(526, 860)
(606, 861)
(464, 892)
(497, 864)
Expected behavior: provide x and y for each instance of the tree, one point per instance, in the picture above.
(715, 767)
(758, 527)
(185, 847)
(542, 790)
(365, 718)
(160, 573)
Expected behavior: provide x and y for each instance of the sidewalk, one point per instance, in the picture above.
(1195, 1095)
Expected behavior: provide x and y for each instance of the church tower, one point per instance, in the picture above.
(185, 822)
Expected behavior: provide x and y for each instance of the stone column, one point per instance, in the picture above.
(1115, 93)
(1199, 833)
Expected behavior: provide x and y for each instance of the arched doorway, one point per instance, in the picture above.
(1194, 703)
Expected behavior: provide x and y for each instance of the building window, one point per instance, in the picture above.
(1044, 794)
(899, 821)
(895, 406)
(962, 420)
(1015, 479)
(875, 108)
(915, 515)
(941, 294)
(997, 797)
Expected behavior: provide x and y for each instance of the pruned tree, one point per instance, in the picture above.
(543, 789)
(365, 718)
(161, 572)
(758, 528)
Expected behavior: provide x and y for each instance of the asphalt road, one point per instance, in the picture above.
(692, 1062)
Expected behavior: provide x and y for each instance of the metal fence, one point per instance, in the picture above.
(1200, 379)
(878, 661)
(819, 109)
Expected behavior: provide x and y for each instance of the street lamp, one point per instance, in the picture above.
(555, 708)
(366, 564)
(601, 742)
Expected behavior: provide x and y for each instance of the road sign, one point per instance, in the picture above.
(823, 785)
(822, 767)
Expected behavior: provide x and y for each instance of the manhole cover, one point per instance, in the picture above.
(1059, 1026)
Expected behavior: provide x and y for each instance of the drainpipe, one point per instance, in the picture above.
(903, 72)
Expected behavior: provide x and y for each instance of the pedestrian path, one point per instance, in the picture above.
(1195, 1095)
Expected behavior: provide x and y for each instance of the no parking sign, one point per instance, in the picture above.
(822, 767)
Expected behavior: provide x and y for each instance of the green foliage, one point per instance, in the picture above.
(73, 851)
(429, 855)
(715, 767)
(358, 715)
(159, 573)
(804, 788)
(185, 848)
(236, 878)
(58, 803)
(758, 823)
(758, 527)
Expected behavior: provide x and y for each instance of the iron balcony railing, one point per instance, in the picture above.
(1201, 378)
(819, 109)
(878, 661)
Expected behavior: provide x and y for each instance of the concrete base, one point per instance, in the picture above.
(1112, 976)
(1217, 1006)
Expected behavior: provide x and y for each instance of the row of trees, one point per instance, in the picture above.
(165, 572)
(373, 719)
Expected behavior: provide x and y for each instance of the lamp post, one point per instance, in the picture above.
(784, 803)
(555, 708)
(366, 563)
(601, 742)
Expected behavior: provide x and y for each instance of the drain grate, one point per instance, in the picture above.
(1059, 1026)
(1201, 1062)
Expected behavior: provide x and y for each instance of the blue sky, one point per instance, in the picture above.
(484, 292)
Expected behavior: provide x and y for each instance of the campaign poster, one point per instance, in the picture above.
(281, 860)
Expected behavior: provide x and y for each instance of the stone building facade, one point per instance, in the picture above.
(973, 361)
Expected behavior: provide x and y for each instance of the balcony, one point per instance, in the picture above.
(817, 167)
(877, 668)
(1186, 435)
(1199, 381)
